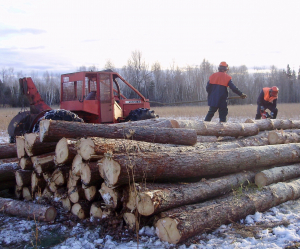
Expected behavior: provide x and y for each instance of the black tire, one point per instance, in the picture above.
(140, 114)
(59, 114)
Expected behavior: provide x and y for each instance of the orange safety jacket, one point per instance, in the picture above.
(220, 78)
(267, 96)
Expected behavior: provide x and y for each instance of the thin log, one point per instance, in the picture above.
(20, 144)
(111, 196)
(7, 171)
(72, 180)
(28, 209)
(66, 203)
(283, 137)
(123, 168)
(34, 147)
(219, 129)
(27, 194)
(26, 163)
(155, 198)
(53, 130)
(76, 194)
(47, 193)
(81, 209)
(23, 177)
(76, 165)
(96, 210)
(174, 226)
(90, 174)
(277, 174)
(65, 151)
(8, 150)
(60, 176)
(130, 220)
(91, 192)
(43, 163)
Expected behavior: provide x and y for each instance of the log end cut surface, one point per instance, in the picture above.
(260, 179)
(50, 214)
(87, 148)
(166, 230)
(144, 204)
(109, 171)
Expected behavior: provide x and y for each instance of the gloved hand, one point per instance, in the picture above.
(262, 108)
(243, 96)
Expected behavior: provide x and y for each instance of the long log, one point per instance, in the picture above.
(155, 198)
(28, 210)
(174, 226)
(154, 122)
(8, 150)
(7, 171)
(277, 174)
(53, 130)
(65, 151)
(122, 168)
(34, 147)
(273, 124)
(283, 137)
(219, 129)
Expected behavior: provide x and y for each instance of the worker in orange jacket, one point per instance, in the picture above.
(267, 99)
(217, 89)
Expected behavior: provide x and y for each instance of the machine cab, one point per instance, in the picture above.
(97, 97)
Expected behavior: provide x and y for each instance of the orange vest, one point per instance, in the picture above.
(220, 78)
(267, 96)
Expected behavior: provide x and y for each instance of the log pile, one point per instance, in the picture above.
(155, 170)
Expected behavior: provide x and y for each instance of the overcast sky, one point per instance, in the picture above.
(64, 35)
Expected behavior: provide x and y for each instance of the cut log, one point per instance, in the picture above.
(66, 203)
(53, 130)
(76, 165)
(129, 196)
(130, 220)
(38, 183)
(26, 193)
(111, 196)
(174, 226)
(282, 137)
(76, 194)
(8, 150)
(72, 180)
(34, 147)
(47, 193)
(273, 124)
(60, 176)
(155, 198)
(81, 209)
(20, 144)
(61, 193)
(277, 174)
(123, 168)
(28, 210)
(65, 151)
(23, 177)
(91, 192)
(154, 122)
(219, 129)
(96, 210)
(43, 163)
(7, 171)
(26, 163)
(89, 174)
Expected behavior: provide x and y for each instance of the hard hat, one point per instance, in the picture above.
(274, 90)
(223, 64)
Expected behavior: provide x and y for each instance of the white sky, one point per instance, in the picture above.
(64, 35)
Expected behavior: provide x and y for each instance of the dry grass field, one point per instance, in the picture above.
(237, 113)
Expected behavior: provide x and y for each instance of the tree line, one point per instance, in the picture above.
(170, 85)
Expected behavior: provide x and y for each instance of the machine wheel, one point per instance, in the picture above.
(140, 114)
(59, 114)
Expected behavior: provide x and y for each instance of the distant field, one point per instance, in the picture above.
(236, 113)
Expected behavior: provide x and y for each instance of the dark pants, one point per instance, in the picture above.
(223, 111)
(271, 108)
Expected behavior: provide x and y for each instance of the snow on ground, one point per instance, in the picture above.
(278, 227)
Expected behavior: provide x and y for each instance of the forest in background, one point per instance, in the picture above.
(169, 85)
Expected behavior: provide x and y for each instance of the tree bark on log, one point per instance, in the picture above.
(23, 177)
(277, 174)
(65, 151)
(121, 169)
(219, 129)
(28, 209)
(273, 124)
(9, 160)
(38, 183)
(7, 171)
(155, 198)
(26, 163)
(155, 122)
(8, 150)
(43, 163)
(283, 137)
(34, 147)
(89, 174)
(20, 144)
(53, 130)
(174, 225)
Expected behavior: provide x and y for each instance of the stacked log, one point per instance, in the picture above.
(156, 168)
